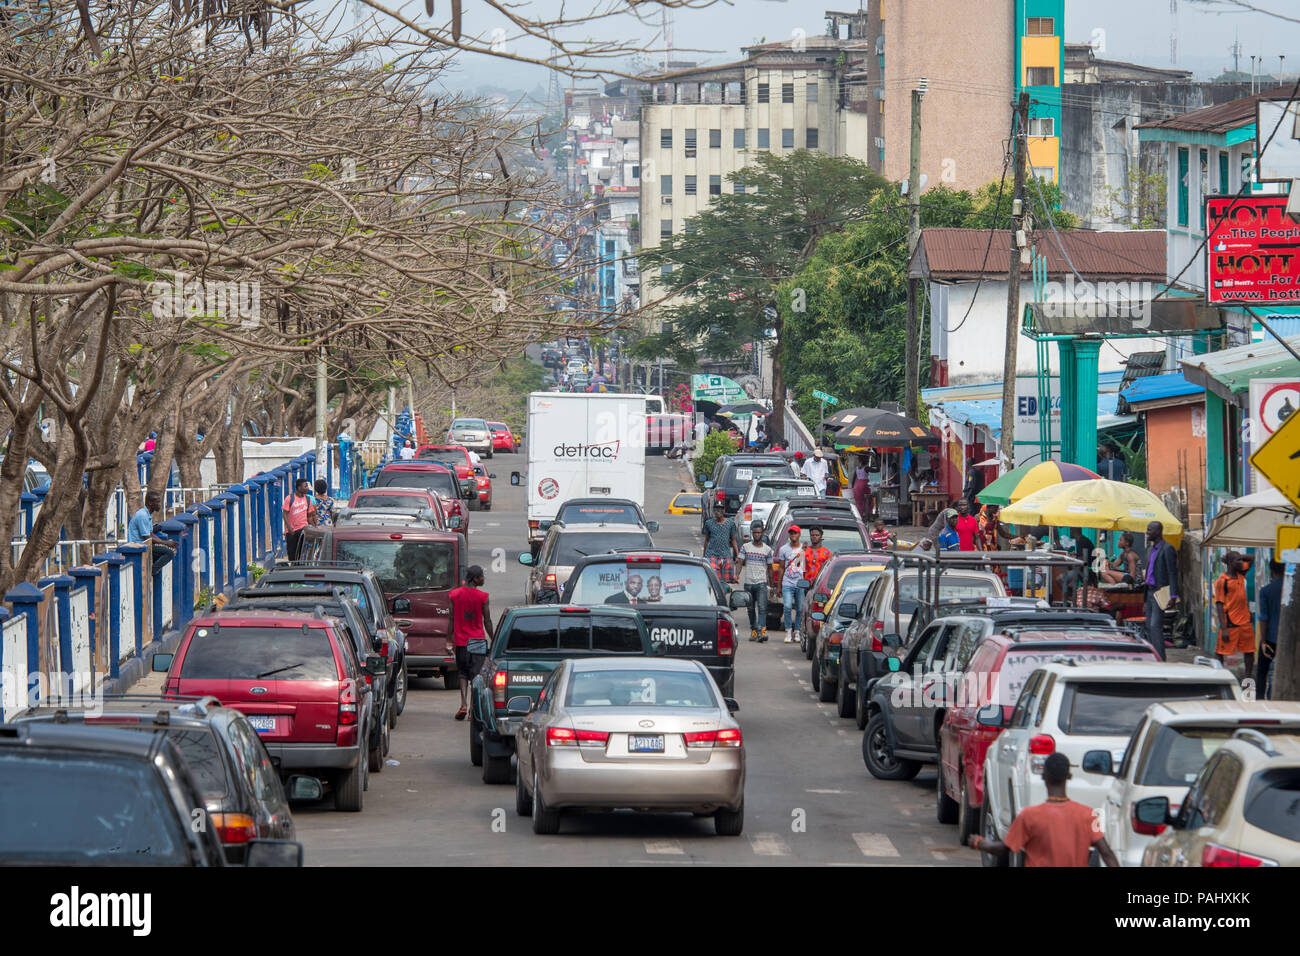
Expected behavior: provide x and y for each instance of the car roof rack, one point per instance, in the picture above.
(1251, 736)
(686, 551)
(274, 592)
(1014, 631)
(320, 565)
(1203, 661)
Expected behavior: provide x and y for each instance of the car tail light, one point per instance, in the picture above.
(549, 580)
(347, 705)
(1042, 744)
(729, 737)
(560, 737)
(721, 497)
(575, 610)
(726, 638)
(1215, 855)
(234, 827)
(592, 738)
(384, 648)
(499, 690)
(700, 738)
(749, 512)
(877, 635)
(644, 559)
(836, 638)
(1146, 829)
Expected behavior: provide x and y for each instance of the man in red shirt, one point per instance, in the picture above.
(968, 527)
(1059, 832)
(471, 622)
(814, 556)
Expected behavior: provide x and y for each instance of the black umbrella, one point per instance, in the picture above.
(850, 416)
(743, 408)
(881, 429)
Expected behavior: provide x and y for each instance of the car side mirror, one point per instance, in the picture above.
(375, 665)
(708, 485)
(544, 525)
(658, 648)
(989, 715)
(892, 640)
(894, 663)
(526, 557)
(817, 616)
(161, 663)
(516, 478)
(733, 705)
(492, 477)
(1098, 761)
(848, 610)
(520, 706)
(738, 599)
(273, 853)
(401, 606)
(652, 527)
(1153, 811)
(303, 787)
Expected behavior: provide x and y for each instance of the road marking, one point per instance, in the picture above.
(875, 844)
(842, 731)
(670, 847)
(494, 524)
(769, 844)
(825, 791)
(938, 856)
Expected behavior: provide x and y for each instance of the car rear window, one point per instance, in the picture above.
(741, 475)
(402, 566)
(950, 586)
(664, 582)
(469, 423)
(439, 482)
(545, 633)
(779, 491)
(356, 592)
(572, 547)
(599, 514)
(1113, 708)
(392, 501)
(252, 653)
(857, 579)
(842, 539)
(87, 809)
(1272, 801)
(1020, 663)
(203, 753)
(449, 457)
(639, 688)
(1178, 752)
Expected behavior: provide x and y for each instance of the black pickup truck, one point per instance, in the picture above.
(681, 600)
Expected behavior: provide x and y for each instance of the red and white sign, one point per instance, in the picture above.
(548, 488)
(1272, 402)
(1254, 251)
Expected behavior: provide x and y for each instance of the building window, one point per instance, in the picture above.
(688, 227)
(665, 185)
(787, 139)
(737, 188)
(810, 137)
(1042, 126)
(666, 270)
(762, 92)
(764, 139)
(1041, 27)
(715, 186)
(666, 138)
(690, 143)
(787, 92)
(1040, 76)
(738, 138)
(812, 92)
(636, 172)
(1046, 173)
(1204, 184)
(665, 228)
(1224, 186)
(690, 185)
(1183, 195)
(880, 154)
(715, 139)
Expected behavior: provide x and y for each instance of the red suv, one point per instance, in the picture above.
(998, 668)
(453, 456)
(297, 679)
(438, 479)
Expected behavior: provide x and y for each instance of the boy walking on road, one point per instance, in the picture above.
(1232, 611)
(790, 557)
(471, 622)
(755, 556)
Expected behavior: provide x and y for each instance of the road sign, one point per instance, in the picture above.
(1278, 459)
(1254, 252)
(1288, 538)
(828, 399)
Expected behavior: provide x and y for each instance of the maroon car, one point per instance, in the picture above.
(436, 478)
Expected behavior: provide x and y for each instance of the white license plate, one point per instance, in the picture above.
(263, 725)
(645, 743)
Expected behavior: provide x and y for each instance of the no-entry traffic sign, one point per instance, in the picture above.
(1254, 251)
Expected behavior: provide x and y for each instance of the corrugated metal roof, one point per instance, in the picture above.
(1228, 373)
(1156, 387)
(956, 254)
(987, 412)
(1216, 119)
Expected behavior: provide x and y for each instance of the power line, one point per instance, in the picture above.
(1006, 163)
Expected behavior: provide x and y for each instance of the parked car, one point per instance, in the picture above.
(685, 606)
(763, 493)
(1171, 744)
(409, 500)
(685, 503)
(472, 433)
(565, 545)
(503, 439)
(1240, 811)
(1072, 708)
(852, 569)
(1001, 664)
(602, 511)
(417, 568)
(386, 518)
(483, 482)
(315, 716)
(841, 534)
(437, 479)
(529, 642)
(242, 798)
(731, 476)
(455, 457)
(781, 512)
(643, 734)
(78, 795)
(825, 647)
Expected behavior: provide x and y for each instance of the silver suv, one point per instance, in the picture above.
(565, 545)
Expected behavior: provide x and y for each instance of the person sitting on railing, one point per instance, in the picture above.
(139, 530)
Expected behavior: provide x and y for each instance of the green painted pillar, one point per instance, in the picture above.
(1216, 465)
(1079, 405)
(1067, 366)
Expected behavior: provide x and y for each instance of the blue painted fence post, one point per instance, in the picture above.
(241, 530)
(63, 600)
(231, 519)
(26, 598)
(203, 556)
(174, 529)
(27, 501)
(182, 613)
(87, 578)
(134, 555)
(112, 615)
(218, 509)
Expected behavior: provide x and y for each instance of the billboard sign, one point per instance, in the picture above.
(1253, 252)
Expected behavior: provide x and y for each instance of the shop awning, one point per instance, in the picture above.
(1157, 388)
(1228, 373)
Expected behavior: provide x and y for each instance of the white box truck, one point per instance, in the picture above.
(582, 445)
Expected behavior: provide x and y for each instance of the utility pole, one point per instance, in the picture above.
(1019, 255)
(911, 377)
(1286, 669)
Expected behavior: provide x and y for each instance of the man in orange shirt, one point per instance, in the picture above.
(1232, 610)
(1058, 832)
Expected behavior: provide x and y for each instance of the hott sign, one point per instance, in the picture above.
(1253, 251)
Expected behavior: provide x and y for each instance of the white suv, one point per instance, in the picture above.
(1167, 752)
(763, 493)
(1071, 708)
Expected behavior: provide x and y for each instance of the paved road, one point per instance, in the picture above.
(808, 800)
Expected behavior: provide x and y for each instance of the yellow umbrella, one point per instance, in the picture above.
(1096, 503)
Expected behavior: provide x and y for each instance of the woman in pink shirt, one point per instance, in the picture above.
(297, 515)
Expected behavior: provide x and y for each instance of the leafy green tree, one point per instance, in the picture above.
(725, 271)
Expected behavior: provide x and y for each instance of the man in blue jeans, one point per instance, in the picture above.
(755, 556)
(790, 557)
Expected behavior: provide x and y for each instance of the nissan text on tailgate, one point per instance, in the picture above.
(684, 605)
(528, 644)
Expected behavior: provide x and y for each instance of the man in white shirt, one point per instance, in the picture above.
(790, 557)
(701, 430)
(474, 459)
(408, 451)
(815, 470)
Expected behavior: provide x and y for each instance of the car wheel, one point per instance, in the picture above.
(475, 742)
(827, 693)
(968, 817)
(451, 680)
(487, 506)
(545, 820)
(523, 802)
(473, 503)
(989, 831)
(496, 769)
(729, 822)
(846, 703)
(861, 693)
(399, 695)
(816, 677)
(387, 738)
(945, 806)
(879, 756)
(375, 756)
(349, 789)
(774, 621)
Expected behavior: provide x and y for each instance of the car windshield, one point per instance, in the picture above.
(417, 502)
(842, 539)
(86, 809)
(667, 582)
(859, 579)
(1271, 802)
(1113, 708)
(598, 514)
(1177, 753)
(439, 482)
(571, 547)
(569, 631)
(639, 688)
(779, 491)
(251, 653)
(402, 566)
(743, 474)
